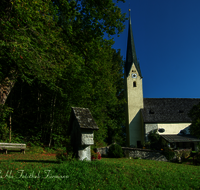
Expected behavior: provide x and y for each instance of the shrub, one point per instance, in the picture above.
(155, 140)
(153, 136)
(115, 151)
(198, 147)
(36, 150)
(186, 154)
(182, 154)
(99, 156)
(168, 153)
(62, 155)
(147, 145)
(4, 130)
(17, 138)
(95, 156)
(198, 157)
(49, 150)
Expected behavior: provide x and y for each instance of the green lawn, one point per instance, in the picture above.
(42, 171)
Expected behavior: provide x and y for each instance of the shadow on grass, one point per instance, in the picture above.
(38, 161)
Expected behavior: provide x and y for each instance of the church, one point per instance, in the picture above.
(169, 116)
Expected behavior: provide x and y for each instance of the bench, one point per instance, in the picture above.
(5, 147)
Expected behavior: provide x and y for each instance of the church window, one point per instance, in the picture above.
(161, 130)
(134, 84)
(151, 112)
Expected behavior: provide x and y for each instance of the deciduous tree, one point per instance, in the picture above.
(57, 48)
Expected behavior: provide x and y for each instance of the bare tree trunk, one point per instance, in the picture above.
(10, 129)
(5, 89)
(6, 86)
(38, 122)
(52, 119)
(10, 120)
(50, 136)
(38, 108)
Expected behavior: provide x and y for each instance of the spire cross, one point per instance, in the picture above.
(129, 15)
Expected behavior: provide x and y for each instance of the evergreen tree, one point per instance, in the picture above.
(194, 114)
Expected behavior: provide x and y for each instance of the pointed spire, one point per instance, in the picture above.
(131, 57)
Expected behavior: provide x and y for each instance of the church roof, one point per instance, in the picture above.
(168, 110)
(180, 138)
(131, 57)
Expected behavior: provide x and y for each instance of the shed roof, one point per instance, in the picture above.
(180, 138)
(83, 117)
(168, 110)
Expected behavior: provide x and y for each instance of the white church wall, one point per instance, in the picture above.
(174, 128)
(170, 128)
(135, 104)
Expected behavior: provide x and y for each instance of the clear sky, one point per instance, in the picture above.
(167, 42)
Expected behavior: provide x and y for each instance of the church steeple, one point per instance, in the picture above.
(133, 94)
(131, 57)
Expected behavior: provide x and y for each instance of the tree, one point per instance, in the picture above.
(194, 114)
(100, 78)
(35, 104)
(155, 139)
(38, 41)
(57, 51)
(31, 47)
(115, 112)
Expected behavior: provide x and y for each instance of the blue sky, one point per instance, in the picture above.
(167, 41)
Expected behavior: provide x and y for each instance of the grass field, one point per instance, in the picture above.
(42, 171)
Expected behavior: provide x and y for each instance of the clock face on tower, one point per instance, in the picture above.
(134, 75)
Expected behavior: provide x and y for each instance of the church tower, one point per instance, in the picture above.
(133, 94)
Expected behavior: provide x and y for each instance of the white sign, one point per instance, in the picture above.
(87, 139)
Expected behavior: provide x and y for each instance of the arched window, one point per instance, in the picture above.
(134, 84)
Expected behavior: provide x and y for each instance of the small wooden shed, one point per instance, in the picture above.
(81, 128)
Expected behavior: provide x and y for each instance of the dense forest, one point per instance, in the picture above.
(54, 56)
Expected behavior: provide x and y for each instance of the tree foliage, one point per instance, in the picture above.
(54, 56)
(115, 151)
(30, 42)
(153, 136)
(155, 140)
(194, 114)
